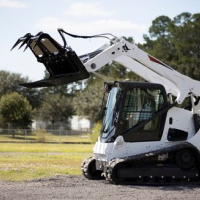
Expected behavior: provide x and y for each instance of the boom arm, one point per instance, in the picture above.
(146, 66)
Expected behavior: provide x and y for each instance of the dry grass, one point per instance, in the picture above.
(19, 162)
(48, 137)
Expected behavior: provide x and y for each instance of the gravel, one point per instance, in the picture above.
(78, 187)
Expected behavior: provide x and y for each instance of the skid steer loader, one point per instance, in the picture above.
(147, 135)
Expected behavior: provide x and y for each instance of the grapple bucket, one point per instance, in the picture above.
(62, 63)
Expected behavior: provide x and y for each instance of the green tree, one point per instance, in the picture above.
(160, 27)
(10, 82)
(14, 108)
(63, 90)
(159, 43)
(185, 31)
(89, 102)
(56, 108)
(176, 42)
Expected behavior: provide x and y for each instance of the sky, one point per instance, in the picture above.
(82, 17)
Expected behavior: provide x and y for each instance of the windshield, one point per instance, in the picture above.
(108, 118)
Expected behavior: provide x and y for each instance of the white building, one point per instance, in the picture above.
(75, 123)
(80, 124)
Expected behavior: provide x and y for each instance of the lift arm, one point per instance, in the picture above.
(146, 66)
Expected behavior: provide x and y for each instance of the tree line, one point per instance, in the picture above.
(175, 41)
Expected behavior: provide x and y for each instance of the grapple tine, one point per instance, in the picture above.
(39, 33)
(28, 44)
(16, 43)
(25, 41)
(20, 40)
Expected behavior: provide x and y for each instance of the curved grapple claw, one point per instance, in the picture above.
(62, 63)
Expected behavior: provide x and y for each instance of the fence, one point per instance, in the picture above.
(8, 134)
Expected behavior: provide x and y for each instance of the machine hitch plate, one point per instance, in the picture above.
(61, 62)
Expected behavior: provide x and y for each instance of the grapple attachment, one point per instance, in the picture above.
(62, 63)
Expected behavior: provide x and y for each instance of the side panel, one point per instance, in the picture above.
(121, 149)
(195, 140)
(181, 119)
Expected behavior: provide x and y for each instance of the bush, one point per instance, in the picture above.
(95, 132)
(15, 109)
(40, 135)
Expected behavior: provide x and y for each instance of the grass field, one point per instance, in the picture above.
(48, 138)
(27, 161)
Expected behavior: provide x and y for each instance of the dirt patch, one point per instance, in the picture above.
(78, 187)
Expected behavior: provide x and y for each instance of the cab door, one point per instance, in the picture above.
(140, 105)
